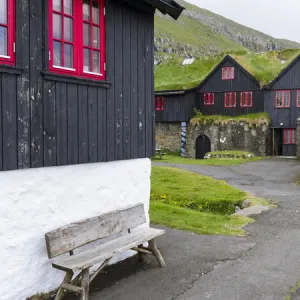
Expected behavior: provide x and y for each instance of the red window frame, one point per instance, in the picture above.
(230, 100)
(10, 58)
(281, 95)
(209, 99)
(298, 99)
(289, 136)
(246, 99)
(159, 103)
(228, 73)
(78, 40)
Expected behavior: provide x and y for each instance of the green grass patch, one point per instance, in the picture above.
(231, 152)
(171, 75)
(190, 190)
(222, 161)
(195, 221)
(255, 119)
(293, 290)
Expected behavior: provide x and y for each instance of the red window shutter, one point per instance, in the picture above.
(8, 35)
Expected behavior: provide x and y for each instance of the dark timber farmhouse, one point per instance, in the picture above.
(77, 97)
(230, 90)
(282, 103)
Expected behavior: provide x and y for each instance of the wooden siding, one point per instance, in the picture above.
(178, 108)
(290, 79)
(50, 120)
(219, 108)
(287, 116)
(289, 150)
(241, 82)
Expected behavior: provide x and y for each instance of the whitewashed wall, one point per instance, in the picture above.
(35, 201)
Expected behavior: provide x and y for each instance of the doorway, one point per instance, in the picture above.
(203, 146)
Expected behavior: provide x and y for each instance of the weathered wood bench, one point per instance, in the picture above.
(119, 225)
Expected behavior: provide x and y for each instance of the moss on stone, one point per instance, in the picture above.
(256, 119)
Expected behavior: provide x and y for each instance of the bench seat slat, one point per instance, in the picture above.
(104, 251)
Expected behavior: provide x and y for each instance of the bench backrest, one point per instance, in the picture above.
(77, 234)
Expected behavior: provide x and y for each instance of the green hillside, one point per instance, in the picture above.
(171, 75)
(201, 32)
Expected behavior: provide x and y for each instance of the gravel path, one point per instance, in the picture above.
(263, 266)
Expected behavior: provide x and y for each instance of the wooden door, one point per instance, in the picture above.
(202, 146)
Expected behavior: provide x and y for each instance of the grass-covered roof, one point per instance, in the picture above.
(171, 75)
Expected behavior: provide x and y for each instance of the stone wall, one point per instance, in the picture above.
(168, 136)
(232, 136)
(298, 138)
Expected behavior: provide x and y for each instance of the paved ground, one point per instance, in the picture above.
(263, 266)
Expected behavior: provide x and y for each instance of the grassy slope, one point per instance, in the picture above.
(188, 201)
(171, 75)
(208, 32)
(190, 190)
(197, 222)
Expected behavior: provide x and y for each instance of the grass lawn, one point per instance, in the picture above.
(176, 159)
(192, 202)
(197, 222)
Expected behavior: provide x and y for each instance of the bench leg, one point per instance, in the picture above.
(156, 253)
(85, 284)
(140, 254)
(61, 292)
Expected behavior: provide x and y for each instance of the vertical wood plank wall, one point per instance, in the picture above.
(54, 121)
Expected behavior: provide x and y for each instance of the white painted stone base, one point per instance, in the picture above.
(35, 201)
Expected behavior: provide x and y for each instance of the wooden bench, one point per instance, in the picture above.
(118, 225)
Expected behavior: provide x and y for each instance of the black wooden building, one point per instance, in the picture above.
(282, 103)
(174, 106)
(229, 90)
(76, 80)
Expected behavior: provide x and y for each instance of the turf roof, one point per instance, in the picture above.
(171, 75)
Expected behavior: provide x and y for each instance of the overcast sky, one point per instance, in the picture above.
(280, 19)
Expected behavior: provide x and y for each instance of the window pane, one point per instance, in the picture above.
(96, 61)
(68, 56)
(68, 7)
(68, 34)
(86, 35)
(57, 5)
(286, 98)
(86, 10)
(3, 11)
(3, 41)
(87, 61)
(57, 28)
(57, 54)
(95, 12)
(96, 37)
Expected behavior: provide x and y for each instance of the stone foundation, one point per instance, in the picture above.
(168, 136)
(232, 136)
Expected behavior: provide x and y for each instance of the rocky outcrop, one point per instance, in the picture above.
(218, 35)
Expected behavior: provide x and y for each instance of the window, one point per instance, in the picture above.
(283, 99)
(159, 103)
(289, 136)
(77, 37)
(7, 32)
(230, 100)
(209, 99)
(298, 99)
(246, 99)
(228, 73)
